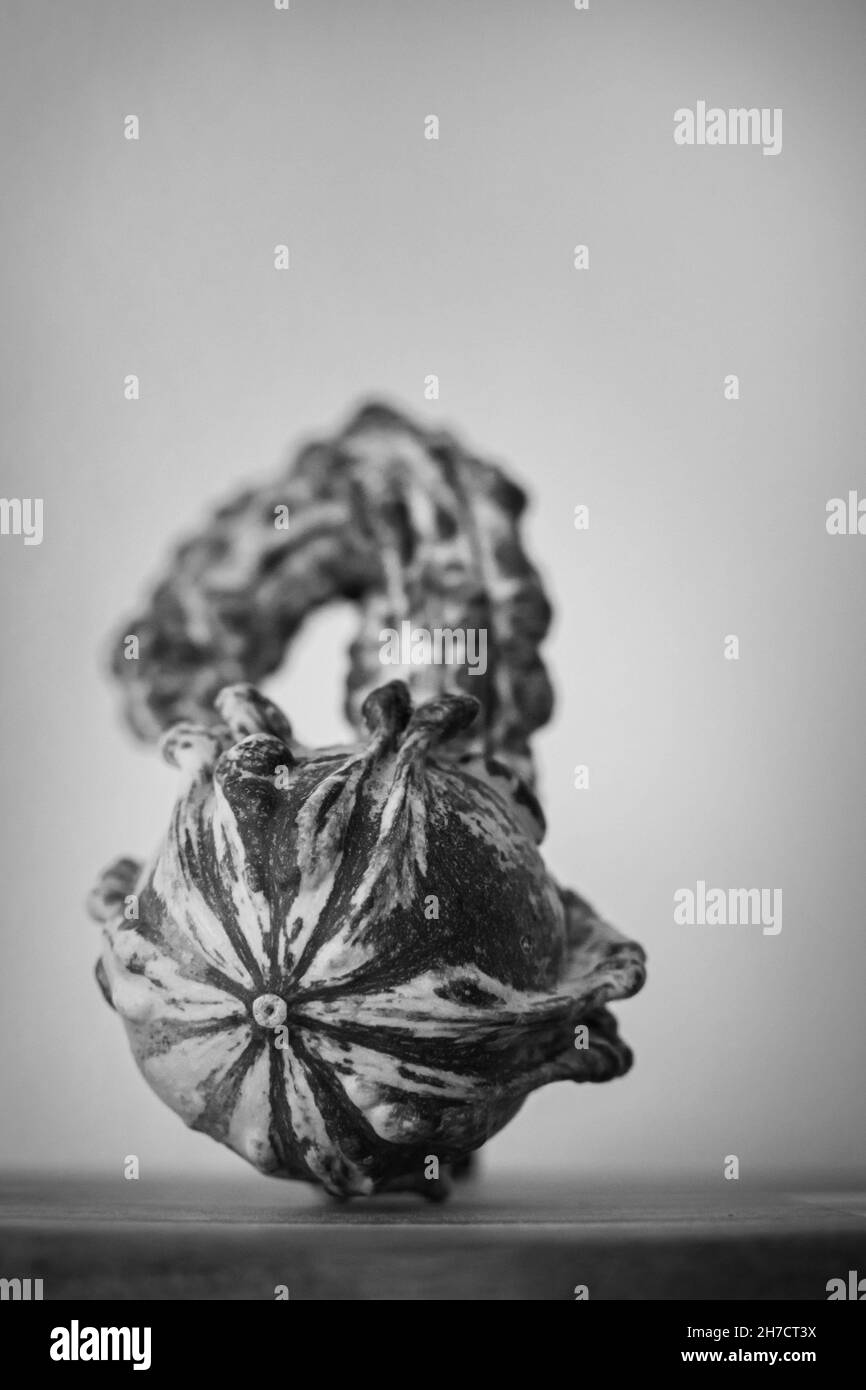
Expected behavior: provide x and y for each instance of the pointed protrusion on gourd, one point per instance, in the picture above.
(437, 721)
(386, 712)
(102, 981)
(193, 748)
(246, 711)
(105, 900)
(256, 758)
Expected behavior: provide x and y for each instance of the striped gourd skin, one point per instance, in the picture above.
(289, 986)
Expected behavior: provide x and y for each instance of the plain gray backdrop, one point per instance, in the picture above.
(602, 387)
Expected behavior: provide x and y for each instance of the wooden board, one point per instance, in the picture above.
(495, 1239)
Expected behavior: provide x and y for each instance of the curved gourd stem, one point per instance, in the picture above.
(402, 521)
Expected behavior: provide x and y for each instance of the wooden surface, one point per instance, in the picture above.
(495, 1239)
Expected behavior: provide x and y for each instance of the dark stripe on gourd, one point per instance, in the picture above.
(286, 1149)
(216, 1117)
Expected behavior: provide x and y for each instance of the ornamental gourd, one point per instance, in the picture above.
(345, 961)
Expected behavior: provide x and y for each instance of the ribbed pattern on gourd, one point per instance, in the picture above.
(285, 988)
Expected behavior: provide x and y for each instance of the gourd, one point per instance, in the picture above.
(344, 962)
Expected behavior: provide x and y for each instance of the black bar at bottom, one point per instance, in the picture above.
(255, 1339)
